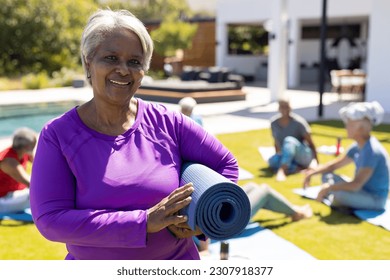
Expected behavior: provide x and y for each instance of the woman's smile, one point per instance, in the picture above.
(119, 83)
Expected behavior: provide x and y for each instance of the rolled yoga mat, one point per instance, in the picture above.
(220, 208)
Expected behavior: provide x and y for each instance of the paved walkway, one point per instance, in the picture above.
(224, 117)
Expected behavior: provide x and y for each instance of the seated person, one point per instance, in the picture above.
(293, 143)
(370, 186)
(264, 197)
(14, 179)
(187, 105)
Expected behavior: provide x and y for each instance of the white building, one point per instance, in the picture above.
(294, 51)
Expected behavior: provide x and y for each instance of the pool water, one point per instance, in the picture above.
(32, 115)
(36, 122)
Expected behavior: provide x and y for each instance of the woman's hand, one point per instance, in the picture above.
(165, 213)
(308, 173)
(324, 192)
(183, 230)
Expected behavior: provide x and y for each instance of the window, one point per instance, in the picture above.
(247, 39)
(332, 31)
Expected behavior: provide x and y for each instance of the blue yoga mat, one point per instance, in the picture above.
(24, 216)
(257, 243)
(220, 208)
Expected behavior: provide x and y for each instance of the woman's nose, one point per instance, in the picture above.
(122, 69)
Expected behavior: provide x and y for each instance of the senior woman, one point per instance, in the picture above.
(370, 186)
(294, 146)
(106, 175)
(14, 178)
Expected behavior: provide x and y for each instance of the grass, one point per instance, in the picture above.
(328, 235)
(22, 241)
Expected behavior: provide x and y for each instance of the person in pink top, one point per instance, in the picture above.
(105, 179)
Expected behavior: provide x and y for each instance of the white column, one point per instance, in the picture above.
(278, 51)
(378, 84)
(293, 53)
(221, 47)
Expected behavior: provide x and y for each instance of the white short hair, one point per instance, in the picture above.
(187, 103)
(102, 23)
(22, 137)
(372, 111)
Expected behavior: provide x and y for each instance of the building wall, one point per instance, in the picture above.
(336, 8)
(258, 11)
(239, 11)
(378, 85)
(202, 52)
(372, 14)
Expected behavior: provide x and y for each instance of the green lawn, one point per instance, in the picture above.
(327, 235)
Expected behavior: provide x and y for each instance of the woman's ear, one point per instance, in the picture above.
(86, 62)
(87, 65)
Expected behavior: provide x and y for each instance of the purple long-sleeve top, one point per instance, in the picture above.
(91, 190)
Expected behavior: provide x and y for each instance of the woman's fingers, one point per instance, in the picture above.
(174, 208)
(165, 213)
(306, 181)
(179, 194)
(183, 230)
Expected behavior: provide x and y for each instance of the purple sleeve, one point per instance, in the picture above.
(53, 203)
(197, 145)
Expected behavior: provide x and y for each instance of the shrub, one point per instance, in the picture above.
(64, 77)
(36, 81)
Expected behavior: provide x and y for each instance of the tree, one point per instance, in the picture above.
(38, 35)
(173, 33)
(172, 36)
(44, 35)
(247, 39)
(152, 10)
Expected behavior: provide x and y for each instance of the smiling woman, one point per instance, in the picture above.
(106, 176)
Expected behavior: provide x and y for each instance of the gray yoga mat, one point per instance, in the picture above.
(220, 208)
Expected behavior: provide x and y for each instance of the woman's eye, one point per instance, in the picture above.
(111, 57)
(134, 61)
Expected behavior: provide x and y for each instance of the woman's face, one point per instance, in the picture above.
(116, 68)
(354, 128)
(29, 149)
(284, 109)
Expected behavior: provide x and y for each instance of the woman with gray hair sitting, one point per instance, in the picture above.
(187, 105)
(370, 186)
(14, 179)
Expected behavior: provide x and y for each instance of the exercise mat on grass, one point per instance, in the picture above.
(220, 208)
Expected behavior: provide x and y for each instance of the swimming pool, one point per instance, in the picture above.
(33, 116)
(35, 122)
